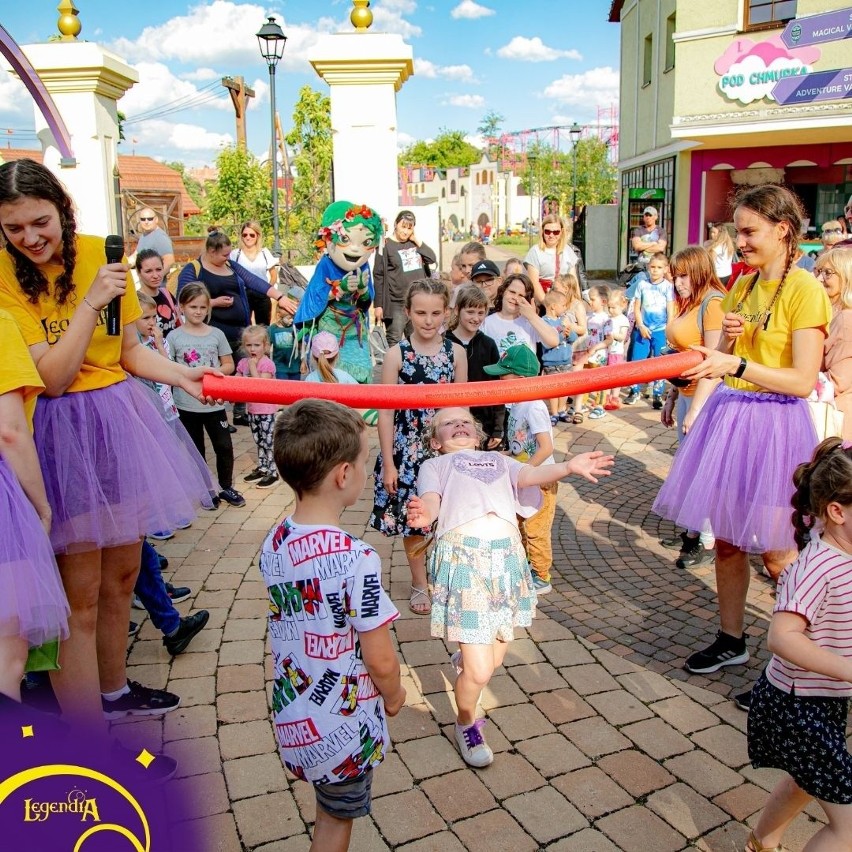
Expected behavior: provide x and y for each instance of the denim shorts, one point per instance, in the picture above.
(347, 799)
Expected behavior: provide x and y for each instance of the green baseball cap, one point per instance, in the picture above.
(519, 360)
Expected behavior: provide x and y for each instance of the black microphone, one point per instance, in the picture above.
(114, 247)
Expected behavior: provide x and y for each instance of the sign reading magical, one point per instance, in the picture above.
(781, 67)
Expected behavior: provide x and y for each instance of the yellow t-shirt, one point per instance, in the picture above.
(684, 331)
(17, 371)
(802, 304)
(46, 321)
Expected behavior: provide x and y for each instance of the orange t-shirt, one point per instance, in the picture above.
(45, 321)
(684, 331)
(17, 371)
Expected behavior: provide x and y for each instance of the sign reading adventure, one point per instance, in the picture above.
(819, 86)
(818, 29)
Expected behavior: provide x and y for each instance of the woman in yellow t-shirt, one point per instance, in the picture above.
(33, 607)
(734, 470)
(113, 469)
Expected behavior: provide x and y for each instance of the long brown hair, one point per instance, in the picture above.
(510, 279)
(696, 263)
(29, 179)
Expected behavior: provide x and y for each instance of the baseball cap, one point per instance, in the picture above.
(485, 267)
(519, 360)
(651, 210)
(324, 343)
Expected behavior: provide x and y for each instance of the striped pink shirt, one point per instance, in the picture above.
(817, 586)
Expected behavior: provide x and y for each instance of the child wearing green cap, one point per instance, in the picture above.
(530, 438)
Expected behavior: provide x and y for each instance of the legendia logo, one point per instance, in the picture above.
(76, 803)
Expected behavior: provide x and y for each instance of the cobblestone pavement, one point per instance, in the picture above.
(602, 742)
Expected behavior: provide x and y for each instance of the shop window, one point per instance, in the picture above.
(648, 61)
(670, 45)
(768, 14)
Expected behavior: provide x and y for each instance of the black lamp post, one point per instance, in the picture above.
(272, 40)
(575, 133)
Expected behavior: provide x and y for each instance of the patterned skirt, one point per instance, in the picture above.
(481, 589)
(805, 737)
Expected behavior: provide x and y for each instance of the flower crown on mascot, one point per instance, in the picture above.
(340, 291)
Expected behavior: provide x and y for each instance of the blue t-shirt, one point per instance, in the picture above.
(556, 356)
(653, 301)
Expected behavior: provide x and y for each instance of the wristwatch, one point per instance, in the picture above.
(737, 374)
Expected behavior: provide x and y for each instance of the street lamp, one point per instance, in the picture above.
(575, 133)
(271, 40)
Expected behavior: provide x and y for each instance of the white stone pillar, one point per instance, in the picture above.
(85, 81)
(364, 70)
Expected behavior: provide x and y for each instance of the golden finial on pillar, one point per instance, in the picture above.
(361, 16)
(69, 24)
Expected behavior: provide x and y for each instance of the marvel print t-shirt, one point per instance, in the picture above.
(325, 587)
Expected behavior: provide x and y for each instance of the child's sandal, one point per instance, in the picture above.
(578, 417)
(754, 845)
(413, 600)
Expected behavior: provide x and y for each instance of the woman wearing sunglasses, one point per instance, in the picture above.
(553, 256)
(734, 471)
(251, 255)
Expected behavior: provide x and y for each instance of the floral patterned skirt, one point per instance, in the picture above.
(481, 589)
(805, 737)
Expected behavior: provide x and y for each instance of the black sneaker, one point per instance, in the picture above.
(140, 701)
(682, 541)
(162, 768)
(657, 403)
(232, 497)
(178, 593)
(268, 481)
(240, 420)
(725, 651)
(164, 563)
(189, 628)
(697, 554)
(232, 429)
(256, 474)
(631, 398)
(743, 700)
(133, 629)
(216, 502)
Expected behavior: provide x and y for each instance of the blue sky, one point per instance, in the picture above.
(536, 62)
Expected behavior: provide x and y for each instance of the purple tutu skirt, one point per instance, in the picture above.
(114, 470)
(32, 601)
(733, 472)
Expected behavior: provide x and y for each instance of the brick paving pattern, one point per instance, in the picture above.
(602, 742)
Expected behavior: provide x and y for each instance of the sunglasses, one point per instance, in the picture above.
(146, 218)
(548, 232)
(827, 231)
(248, 234)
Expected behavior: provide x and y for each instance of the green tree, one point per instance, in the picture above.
(196, 191)
(310, 139)
(448, 150)
(241, 192)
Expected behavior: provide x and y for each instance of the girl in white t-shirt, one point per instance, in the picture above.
(515, 319)
(799, 707)
(480, 579)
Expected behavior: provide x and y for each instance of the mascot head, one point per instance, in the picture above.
(349, 233)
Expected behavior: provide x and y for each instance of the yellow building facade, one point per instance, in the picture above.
(717, 96)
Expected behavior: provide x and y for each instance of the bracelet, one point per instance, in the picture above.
(737, 374)
(85, 299)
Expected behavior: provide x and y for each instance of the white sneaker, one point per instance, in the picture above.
(472, 746)
(136, 603)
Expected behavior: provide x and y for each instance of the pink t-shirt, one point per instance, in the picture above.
(264, 365)
(473, 484)
(817, 586)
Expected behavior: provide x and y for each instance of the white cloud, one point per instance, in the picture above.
(154, 136)
(595, 87)
(425, 68)
(470, 10)
(201, 75)
(158, 86)
(221, 33)
(14, 98)
(403, 140)
(534, 50)
(467, 101)
(388, 18)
